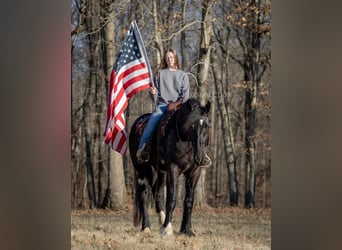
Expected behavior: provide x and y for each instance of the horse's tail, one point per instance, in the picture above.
(137, 214)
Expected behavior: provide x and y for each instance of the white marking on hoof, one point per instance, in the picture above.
(166, 231)
(161, 217)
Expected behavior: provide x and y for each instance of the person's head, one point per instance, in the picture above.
(170, 59)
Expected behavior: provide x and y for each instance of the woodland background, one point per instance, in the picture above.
(226, 45)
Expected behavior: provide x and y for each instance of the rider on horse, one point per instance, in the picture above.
(170, 91)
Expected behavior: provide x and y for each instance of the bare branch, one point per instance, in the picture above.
(179, 31)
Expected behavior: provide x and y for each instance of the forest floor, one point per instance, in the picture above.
(215, 228)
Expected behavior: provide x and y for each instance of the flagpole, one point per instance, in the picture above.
(131, 73)
(141, 45)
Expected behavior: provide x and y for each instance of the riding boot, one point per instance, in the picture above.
(142, 154)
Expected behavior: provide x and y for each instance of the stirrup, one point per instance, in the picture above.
(142, 155)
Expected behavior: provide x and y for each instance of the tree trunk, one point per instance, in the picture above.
(217, 166)
(157, 34)
(117, 181)
(250, 146)
(252, 78)
(89, 166)
(183, 39)
(89, 107)
(203, 71)
(116, 185)
(226, 135)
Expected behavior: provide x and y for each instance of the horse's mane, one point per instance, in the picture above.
(193, 112)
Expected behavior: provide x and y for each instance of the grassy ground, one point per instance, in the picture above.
(228, 228)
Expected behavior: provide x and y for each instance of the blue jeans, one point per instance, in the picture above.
(152, 123)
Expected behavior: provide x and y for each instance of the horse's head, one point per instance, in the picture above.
(196, 126)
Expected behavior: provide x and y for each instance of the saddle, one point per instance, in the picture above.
(142, 123)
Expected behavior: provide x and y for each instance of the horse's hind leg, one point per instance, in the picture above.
(159, 196)
(142, 204)
(190, 185)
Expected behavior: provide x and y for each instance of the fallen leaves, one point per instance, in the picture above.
(215, 228)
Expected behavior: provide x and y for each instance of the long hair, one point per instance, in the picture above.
(174, 52)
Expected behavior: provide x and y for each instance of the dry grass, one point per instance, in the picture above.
(228, 228)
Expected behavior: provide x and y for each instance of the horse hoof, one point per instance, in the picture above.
(166, 231)
(146, 230)
(188, 233)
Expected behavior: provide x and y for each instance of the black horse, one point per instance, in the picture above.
(175, 148)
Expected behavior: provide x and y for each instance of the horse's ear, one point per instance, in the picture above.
(207, 107)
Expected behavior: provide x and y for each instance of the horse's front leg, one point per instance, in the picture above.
(190, 185)
(171, 185)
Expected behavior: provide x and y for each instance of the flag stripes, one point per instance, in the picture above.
(130, 74)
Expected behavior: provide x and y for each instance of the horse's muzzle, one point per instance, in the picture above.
(199, 158)
(203, 161)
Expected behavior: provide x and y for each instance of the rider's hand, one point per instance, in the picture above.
(174, 105)
(153, 90)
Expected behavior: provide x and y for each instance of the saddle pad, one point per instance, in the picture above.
(141, 125)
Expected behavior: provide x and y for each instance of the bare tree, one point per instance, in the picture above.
(228, 142)
(202, 75)
(250, 22)
(116, 185)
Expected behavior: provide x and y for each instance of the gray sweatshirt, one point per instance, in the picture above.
(171, 85)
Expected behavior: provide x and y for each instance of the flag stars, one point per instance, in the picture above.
(129, 52)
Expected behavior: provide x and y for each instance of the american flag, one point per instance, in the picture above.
(131, 73)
